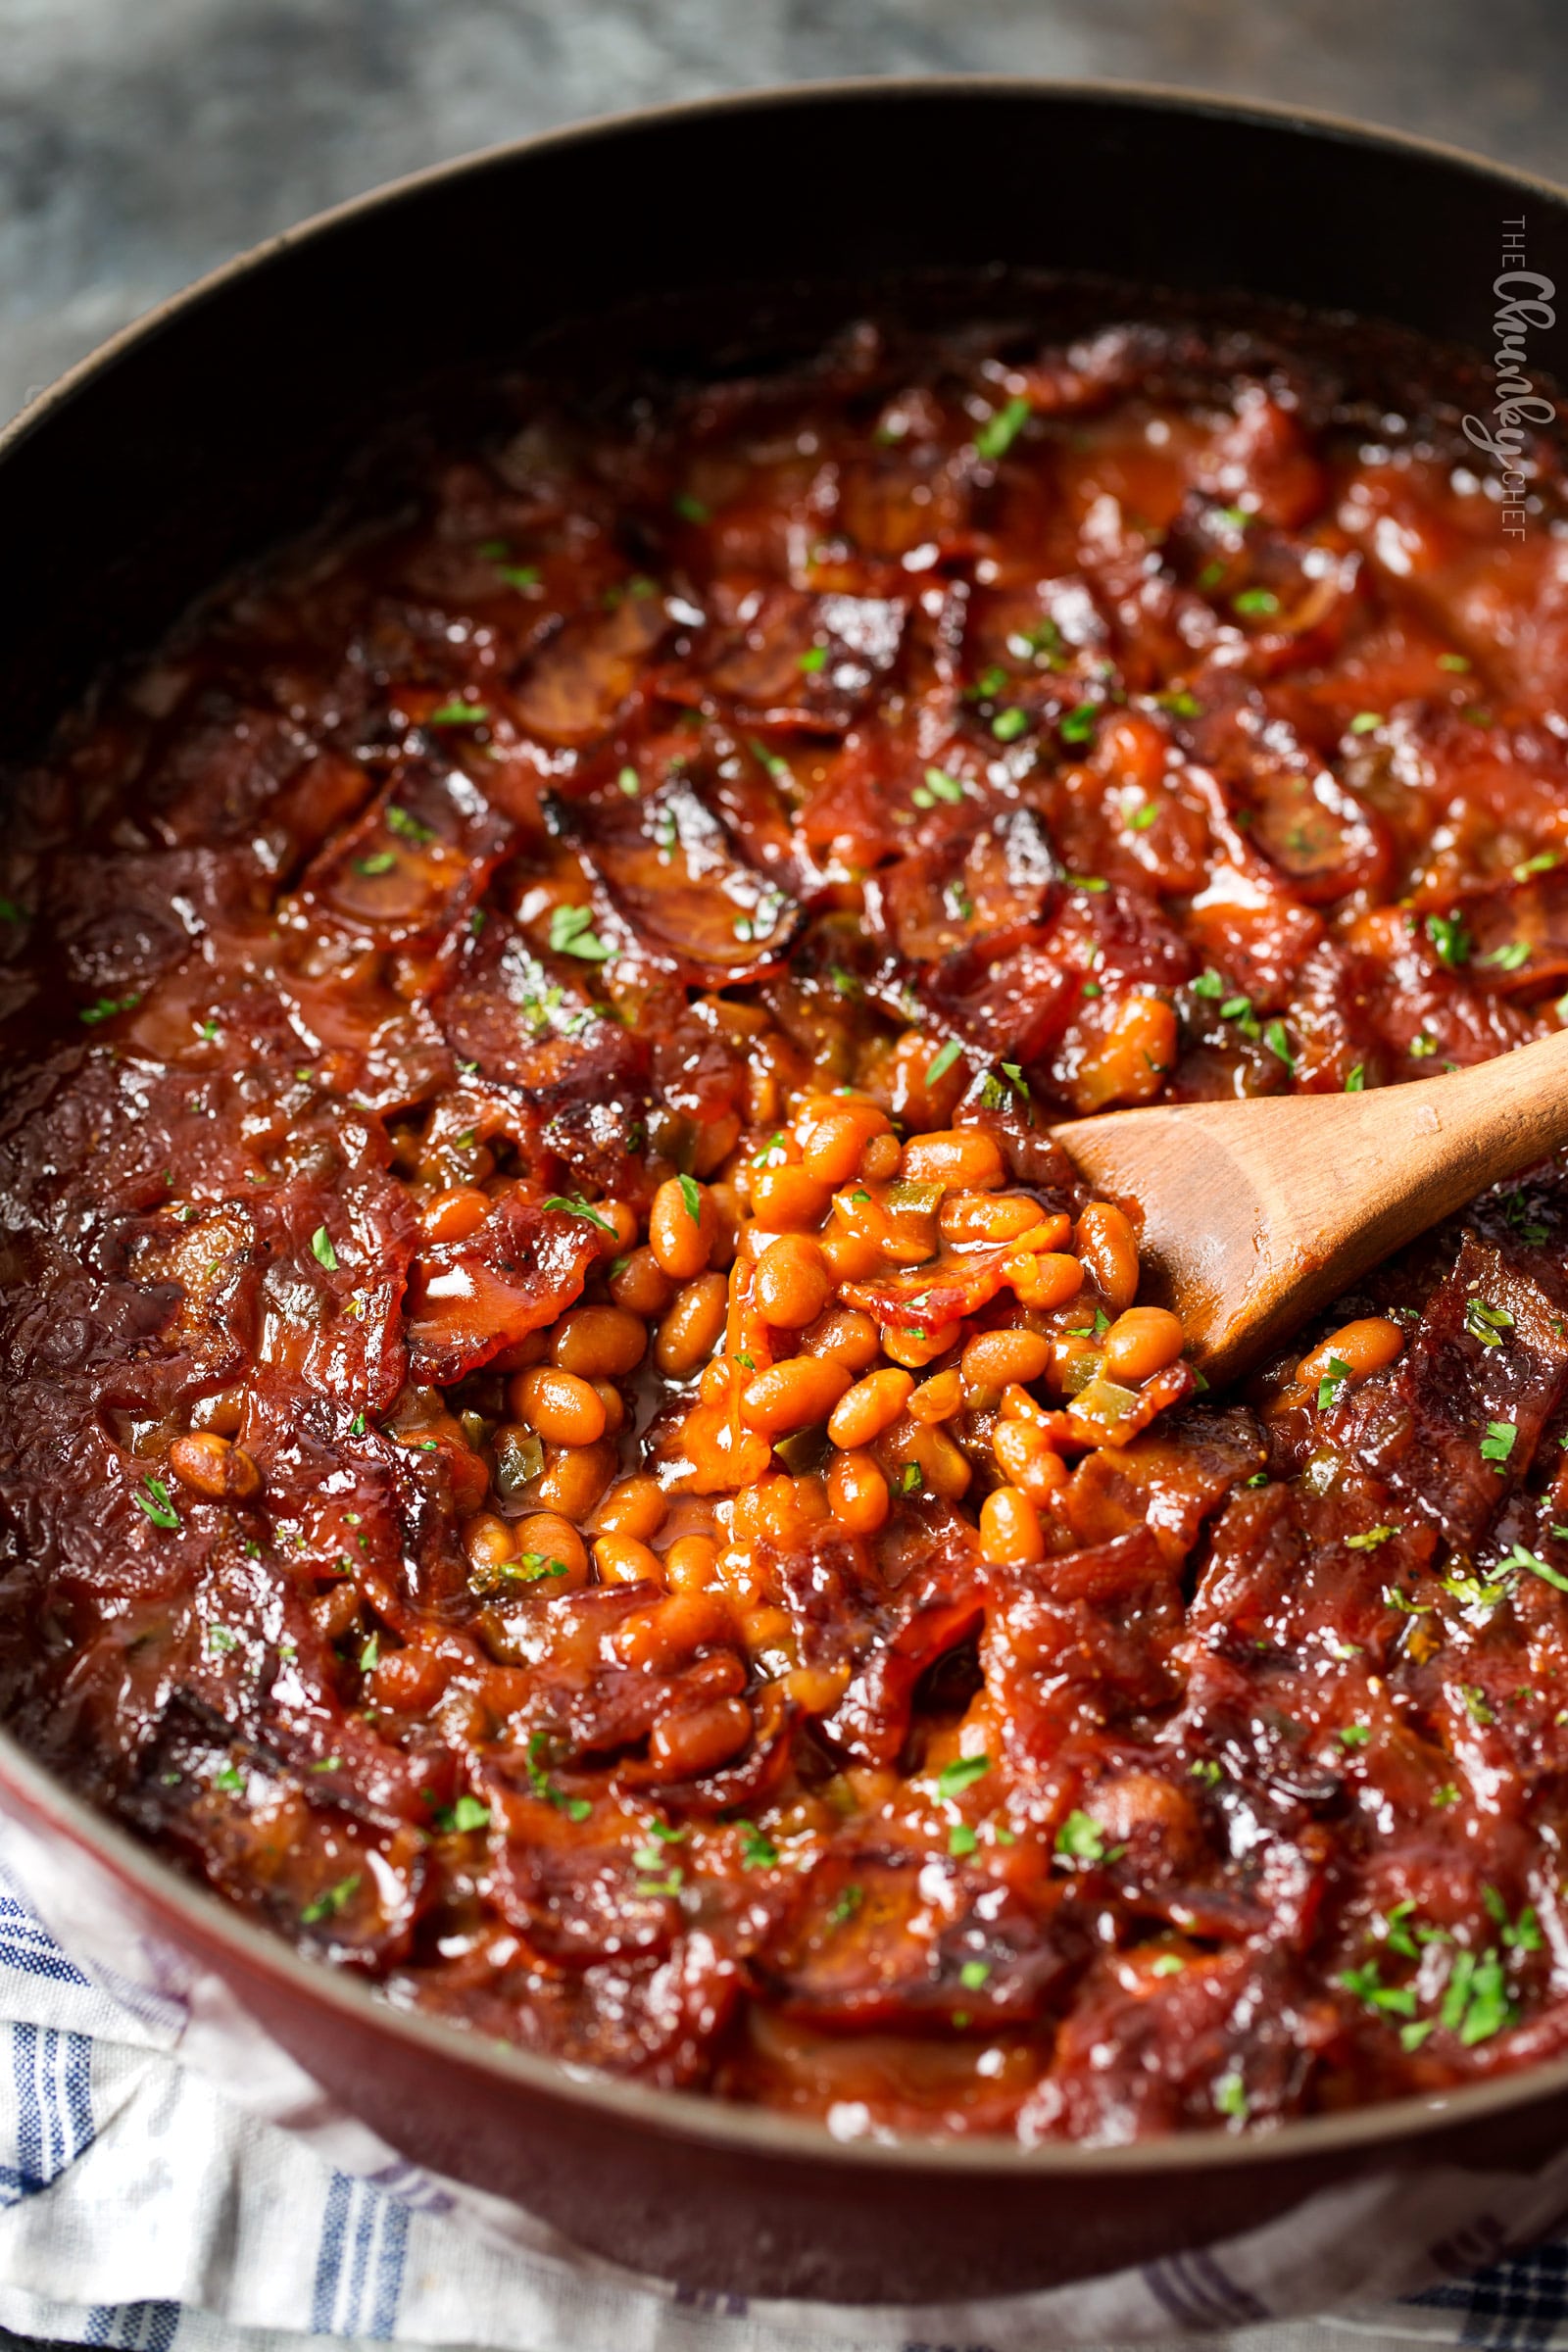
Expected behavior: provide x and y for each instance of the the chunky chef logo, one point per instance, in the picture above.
(1525, 300)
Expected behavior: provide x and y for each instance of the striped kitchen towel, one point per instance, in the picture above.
(168, 2176)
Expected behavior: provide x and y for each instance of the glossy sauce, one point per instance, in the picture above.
(566, 1438)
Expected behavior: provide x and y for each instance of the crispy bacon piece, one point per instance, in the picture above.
(470, 1299)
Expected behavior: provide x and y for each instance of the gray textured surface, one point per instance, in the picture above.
(141, 141)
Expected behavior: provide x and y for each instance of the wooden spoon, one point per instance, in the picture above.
(1255, 1214)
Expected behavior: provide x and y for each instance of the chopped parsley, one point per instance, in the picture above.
(575, 1808)
(329, 1905)
(322, 1250)
(1475, 2002)
(1081, 1839)
(467, 1814)
(1487, 1323)
(942, 1061)
(1391, 2000)
(1366, 722)
(1333, 1383)
(1230, 2097)
(1278, 1043)
(1533, 1563)
(1509, 957)
(692, 1198)
(573, 933)
(961, 1774)
(1370, 1538)
(398, 821)
(152, 1497)
(379, 862)
(1000, 431)
(106, 1008)
(1452, 940)
(1009, 726)
(813, 658)
(1498, 1443)
(943, 787)
(579, 1208)
(1078, 725)
(757, 1850)
(1356, 1082)
(1255, 600)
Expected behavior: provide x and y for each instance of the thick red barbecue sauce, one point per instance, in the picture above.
(565, 1436)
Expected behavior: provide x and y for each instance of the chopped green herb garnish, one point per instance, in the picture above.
(106, 1008)
(815, 657)
(1255, 600)
(1450, 936)
(690, 508)
(1009, 726)
(961, 1774)
(1278, 1043)
(943, 1060)
(1455, 662)
(1370, 1538)
(371, 1654)
(1333, 1383)
(1000, 431)
(1391, 2000)
(1078, 725)
(379, 862)
(456, 714)
(1366, 722)
(629, 782)
(1509, 957)
(1498, 1443)
(152, 1497)
(1081, 1839)
(468, 1813)
(1230, 2097)
(1487, 1323)
(1532, 1561)
(329, 1905)
(573, 933)
(321, 1249)
(692, 1198)
(578, 1207)
(1541, 863)
(1356, 1082)
(758, 1851)
(943, 786)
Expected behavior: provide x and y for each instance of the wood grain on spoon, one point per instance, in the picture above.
(1255, 1214)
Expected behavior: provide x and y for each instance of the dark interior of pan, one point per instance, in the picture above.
(709, 234)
